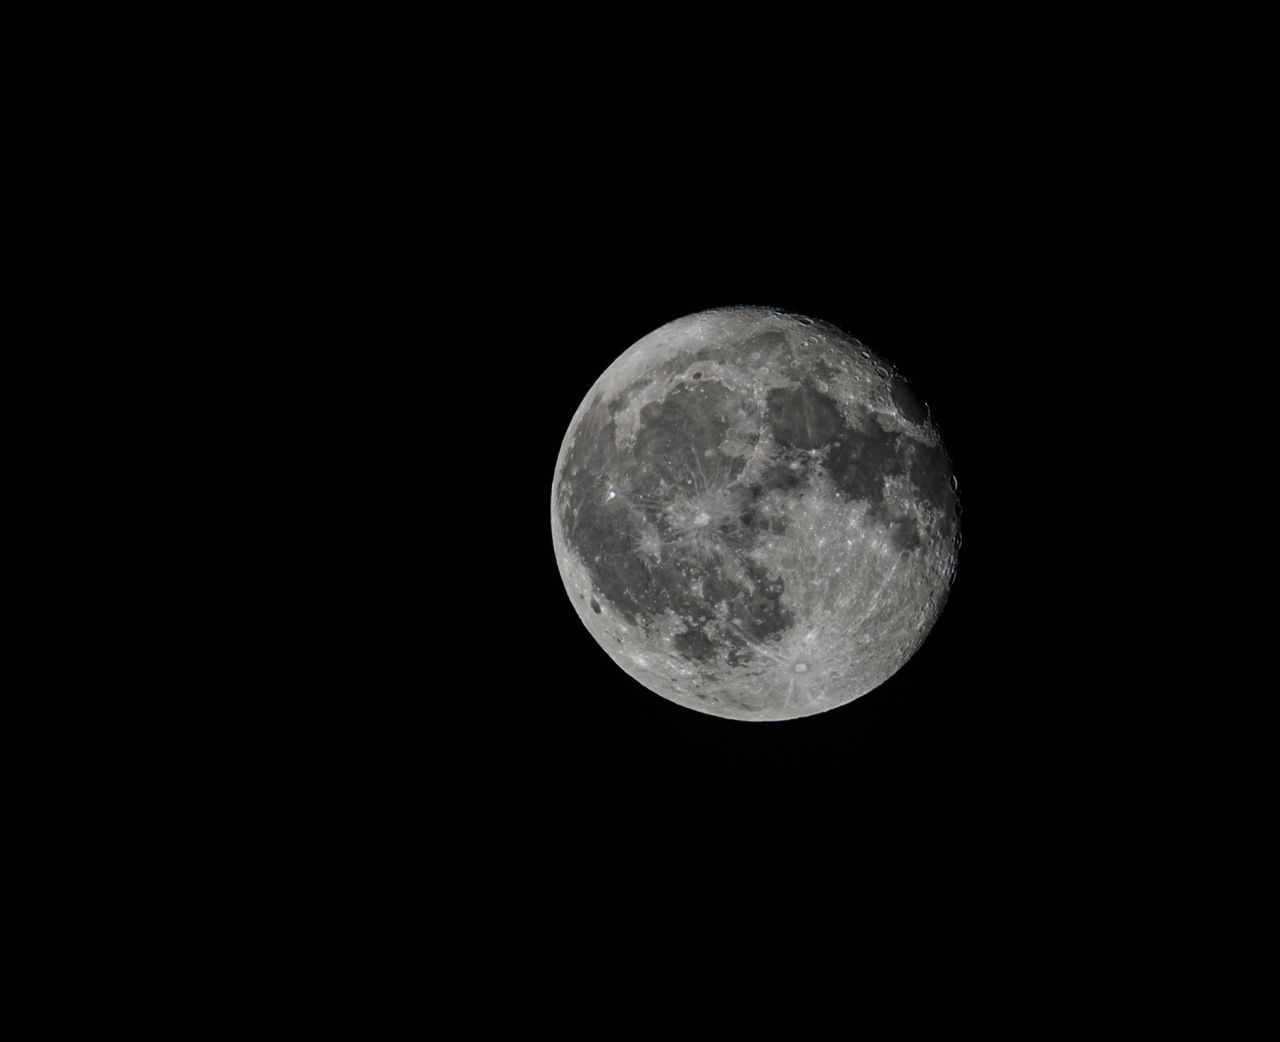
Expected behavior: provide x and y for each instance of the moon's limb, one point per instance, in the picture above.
(754, 516)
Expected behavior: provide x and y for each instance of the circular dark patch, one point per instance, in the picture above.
(802, 417)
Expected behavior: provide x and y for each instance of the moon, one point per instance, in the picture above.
(754, 515)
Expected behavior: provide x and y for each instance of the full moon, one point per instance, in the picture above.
(754, 515)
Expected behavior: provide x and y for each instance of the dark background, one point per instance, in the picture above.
(977, 786)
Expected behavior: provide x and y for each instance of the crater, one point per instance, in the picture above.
(802, 417)
(768, 341)
(904, 532)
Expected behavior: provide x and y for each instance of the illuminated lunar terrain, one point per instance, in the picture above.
(754, 515)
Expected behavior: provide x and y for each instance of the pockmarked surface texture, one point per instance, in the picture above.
(754, 515)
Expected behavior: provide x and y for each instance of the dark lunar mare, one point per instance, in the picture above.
(676, 454)
(860, 457)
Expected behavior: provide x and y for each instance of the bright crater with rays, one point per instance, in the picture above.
(754, 515)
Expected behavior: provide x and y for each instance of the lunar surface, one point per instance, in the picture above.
(754, 515)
